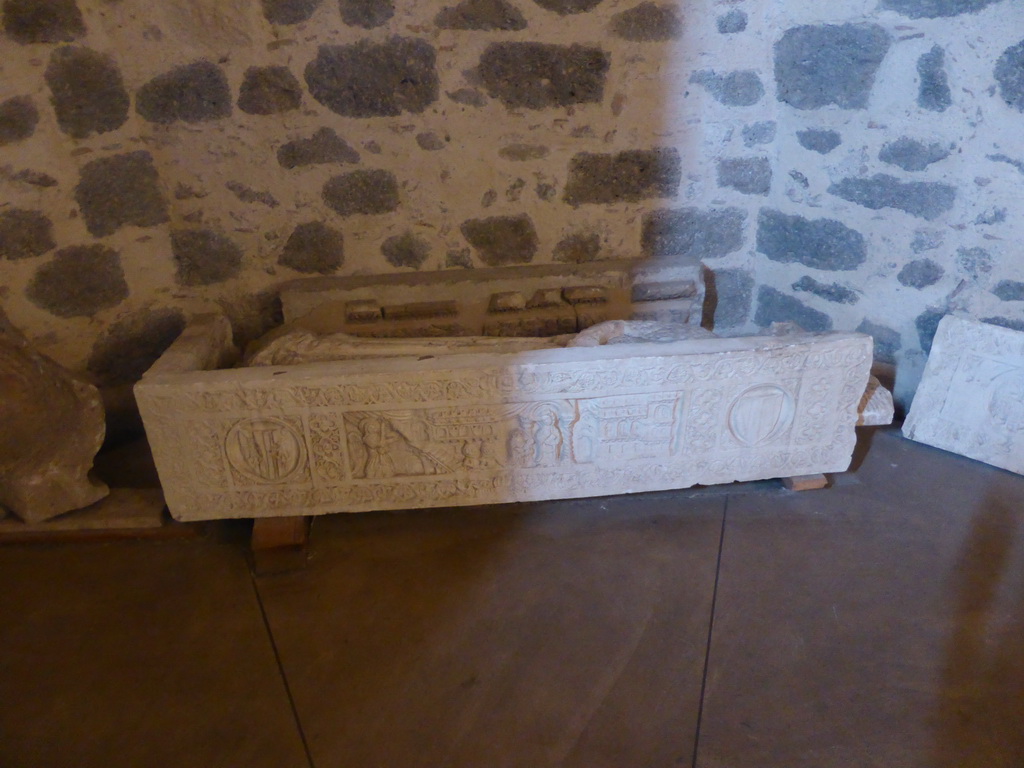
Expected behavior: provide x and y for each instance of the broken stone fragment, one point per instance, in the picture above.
(51, 426)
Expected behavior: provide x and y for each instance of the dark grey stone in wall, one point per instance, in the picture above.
(731, 22)
(934, 9)
(469, 97)
(35, 178)
(926, 240)
(820, 140)
(524, 152)
(818, 243)
(430, 141)
(369, 79)
(128, 348)
(501, 240)
(313, 247)
(25, 233)
(911, 154)
(87, 91)
(565, 7)
(324, 146)
(362, 192)
(829, 64)
(366, 14)
(991, 216)
(749, 175)
(623, 177)
(975, 262)
(405, 250)
(268, 91)
(759, 133)
(776, 307)
(539, 75)
(204, 257)
(42, 21)
(288, 11)
(733, 296)
(193, 92)
(692, 234)
(1001, 158)
(927, 323)
(119, 190)
(1009, 290)
(648, 22)
(18, 119)
(1005, 322)
(887, 341)
(742, 88)
(1009, 73)
(578, 248)
(933, 91)
(481, 15)
(920, 273)
(924, 199)
(79, 282)
(247, 194)
(834, 292)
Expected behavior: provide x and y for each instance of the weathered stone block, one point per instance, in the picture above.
(481, 15)
(733, 294)
(924, 199)
(193, 93)
(920, 273)
(971, 397)
(692, 234)
(1009, 73)
(749, 175)
(42, 21)
(742, 88)
(540, 75)
(819, 243)
(525, 426)
(51, 426)
(79, 282)
(405, 250)
(834, 292)
(313, 247)
(288, 11)
(370, 79)
(819, 140)
(623, 177)
(933, 91)
(566, 7)
(934, 9)
(776, 307)
(648, 22)
(1009, 290)
(120, 190)
(911, 154)
(368, 192)
(324, 146)
(25, 233)
(501, 240)
(366, 14)
(18, 119)
(269, 91)
(203, 257)
(829, 64)
(87, 91)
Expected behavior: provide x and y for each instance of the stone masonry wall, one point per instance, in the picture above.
(843, 165)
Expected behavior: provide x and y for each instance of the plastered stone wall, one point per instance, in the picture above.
(841, 165)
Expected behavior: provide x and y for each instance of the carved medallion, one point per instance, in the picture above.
(265, 450)
(760, 413)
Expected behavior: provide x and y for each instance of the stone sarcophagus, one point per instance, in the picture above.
(442, 430)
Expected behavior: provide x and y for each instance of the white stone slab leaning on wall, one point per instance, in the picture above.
(971, 398)
(407, 432)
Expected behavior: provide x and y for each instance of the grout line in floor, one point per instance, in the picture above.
(280, 669)
(711, 627)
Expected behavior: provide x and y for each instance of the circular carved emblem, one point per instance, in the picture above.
(267, 450)
(760, 413)
(1006, 403)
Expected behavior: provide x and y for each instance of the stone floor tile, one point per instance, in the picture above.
(876, 623)
(554, 634)
(138, 654)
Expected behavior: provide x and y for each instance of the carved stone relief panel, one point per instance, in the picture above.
(971, 398)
